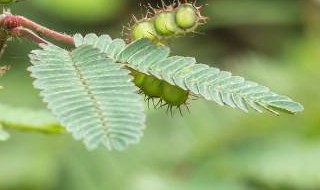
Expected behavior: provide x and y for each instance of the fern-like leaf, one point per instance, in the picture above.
(200, 79)
(209, 82)
(90, 95)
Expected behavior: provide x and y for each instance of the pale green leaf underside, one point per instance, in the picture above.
(28, 120)
(200, 79)
(90, 95)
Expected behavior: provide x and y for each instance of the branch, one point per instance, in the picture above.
(29, 34)
(20, 26)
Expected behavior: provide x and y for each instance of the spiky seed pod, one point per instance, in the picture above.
(154, 88)
(151, 87)
(166, 22)
(138, 77)
(143, 29)
(187, 16)
(165, 25)
(173, 95)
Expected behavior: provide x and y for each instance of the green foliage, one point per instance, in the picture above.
(211, 148)
(90, 95)
(6, 2)
(200, 79)
(80, 12)
(94, 98)
(28, 120)
(4, 135)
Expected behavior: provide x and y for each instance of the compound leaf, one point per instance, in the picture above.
(208, 82)
(200, 79)
(90, 95)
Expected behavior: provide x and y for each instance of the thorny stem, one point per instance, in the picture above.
(20, 26)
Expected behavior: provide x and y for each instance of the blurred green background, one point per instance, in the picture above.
(273, 42)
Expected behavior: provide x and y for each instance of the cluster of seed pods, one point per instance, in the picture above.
(162, 24)
(167, 22)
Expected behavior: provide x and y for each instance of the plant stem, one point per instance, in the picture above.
(43, 30)
(29, 34)
(19, 25)
(49, 129)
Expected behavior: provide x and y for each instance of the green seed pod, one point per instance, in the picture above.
(138, 80)
(167, 22)
(164, 23)
(152, 87)
(186, 16)
(143, 29)
(138, 77)
(173, 95)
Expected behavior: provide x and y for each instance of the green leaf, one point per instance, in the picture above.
(90, 95)
(25, 119)
(200, 79)
(210, 83)
(4, 135)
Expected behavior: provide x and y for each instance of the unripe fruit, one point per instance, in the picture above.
(164, 23)
(186, 16)
(152, 87)
(138, 80)
(143, 29)
(173, 95)
(138, 77)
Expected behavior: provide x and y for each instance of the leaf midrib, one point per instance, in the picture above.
(93, 99)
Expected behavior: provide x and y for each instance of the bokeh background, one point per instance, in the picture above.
(273, 42)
